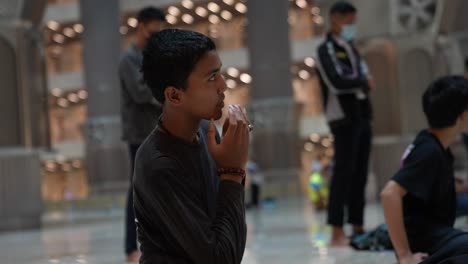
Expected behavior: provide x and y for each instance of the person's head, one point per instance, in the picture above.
(445, 103)
(183, 71)
(150, 20)
(343, 17)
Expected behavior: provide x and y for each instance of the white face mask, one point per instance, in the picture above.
(348, 32)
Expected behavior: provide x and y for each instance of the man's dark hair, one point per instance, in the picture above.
(170, 57)
(445, 100)
(342, 8)
(149, 14)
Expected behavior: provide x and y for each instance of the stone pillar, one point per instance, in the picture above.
(9, 105)
(107, 159)
(22, 112)
(20, 186)
(274, 112)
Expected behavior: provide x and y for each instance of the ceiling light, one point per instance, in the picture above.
(73, 98)
(214, 19)
(62, 102)
(241, 8)
(245, 78)
(59, 38)
(187, 18)
(78, 28)
(56, 92)
(82, 94)
(133, 22)
(123, 30)
(201, 11)
(173, 11)
(301, 3)
(231, 84)
(53, 25)
(213, 7)
(303, 74)
(229, 2)
(226, 15)
(233, 72)
(309, 61)
(171, 19)
(187, 4)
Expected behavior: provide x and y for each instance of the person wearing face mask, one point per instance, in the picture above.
(346, 83)
(139, 109)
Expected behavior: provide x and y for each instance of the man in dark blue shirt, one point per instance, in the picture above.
(188, 191)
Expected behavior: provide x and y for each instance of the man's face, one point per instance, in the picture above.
(338, 21)
(204, 95)
(151, 27)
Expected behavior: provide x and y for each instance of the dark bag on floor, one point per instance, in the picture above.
(375, 240)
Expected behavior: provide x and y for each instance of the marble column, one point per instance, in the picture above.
(106, 155)
(22, 113)
(274, 112)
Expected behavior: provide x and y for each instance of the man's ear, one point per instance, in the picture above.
(173, 95)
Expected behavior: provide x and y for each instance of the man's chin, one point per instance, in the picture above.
(216, 116)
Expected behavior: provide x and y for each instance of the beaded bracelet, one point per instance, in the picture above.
(233, 171)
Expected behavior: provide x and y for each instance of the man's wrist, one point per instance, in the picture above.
(231, 171)
(232, 177)
(404, 253)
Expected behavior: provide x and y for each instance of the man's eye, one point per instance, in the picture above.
(212, 78)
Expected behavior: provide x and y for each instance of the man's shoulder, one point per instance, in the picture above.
(323, 48)
(428, 144)
(128, 55)
(323, 45)
(151, 155)
(424, 150)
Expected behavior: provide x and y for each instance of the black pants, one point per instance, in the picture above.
(255, 199)
(347, 188)
(130, 226)
(453, 251)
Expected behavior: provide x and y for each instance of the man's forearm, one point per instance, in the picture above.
(229, 222)
(393, 210)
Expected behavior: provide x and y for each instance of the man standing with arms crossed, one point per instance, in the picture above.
(345, 86)
(139, 109)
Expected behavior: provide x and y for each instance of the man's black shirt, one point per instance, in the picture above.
(430, 203)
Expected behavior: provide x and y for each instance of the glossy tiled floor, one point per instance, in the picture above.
(290, 232)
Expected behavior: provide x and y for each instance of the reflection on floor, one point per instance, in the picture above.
(287, 232)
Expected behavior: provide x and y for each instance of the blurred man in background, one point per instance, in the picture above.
(346, 84)
(139, 109)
